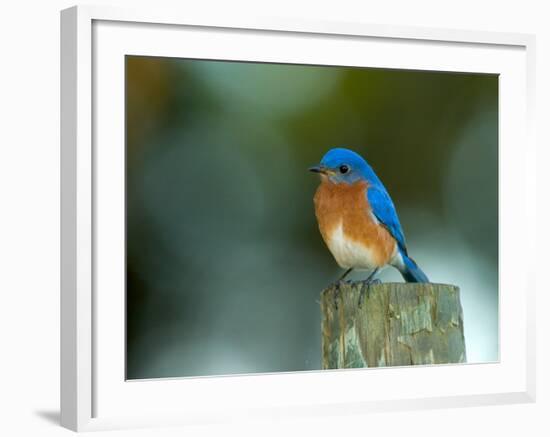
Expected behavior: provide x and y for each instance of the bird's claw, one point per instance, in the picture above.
(336, 293)
(365, 290)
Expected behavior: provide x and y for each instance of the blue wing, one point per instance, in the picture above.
(383, 209)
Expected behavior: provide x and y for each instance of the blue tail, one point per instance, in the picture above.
(411, 272)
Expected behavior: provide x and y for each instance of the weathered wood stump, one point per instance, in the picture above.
(391, 324)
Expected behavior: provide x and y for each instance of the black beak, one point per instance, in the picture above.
(316, 169)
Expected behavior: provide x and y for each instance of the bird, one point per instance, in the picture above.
(357, 218)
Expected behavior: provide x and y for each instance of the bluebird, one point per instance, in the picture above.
(357, 218)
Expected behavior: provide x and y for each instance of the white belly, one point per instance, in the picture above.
(349, 253)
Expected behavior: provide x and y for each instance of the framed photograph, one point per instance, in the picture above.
(290, 211)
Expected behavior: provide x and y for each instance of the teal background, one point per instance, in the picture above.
(224, 259)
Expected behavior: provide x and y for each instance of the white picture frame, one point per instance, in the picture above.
(94, 394)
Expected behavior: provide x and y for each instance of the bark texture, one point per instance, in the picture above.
(391, 324)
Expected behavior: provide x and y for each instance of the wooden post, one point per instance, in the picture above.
(391, 324)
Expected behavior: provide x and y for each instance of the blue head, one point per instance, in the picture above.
(344, 166)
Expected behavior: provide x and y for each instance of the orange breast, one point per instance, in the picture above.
(343, 209)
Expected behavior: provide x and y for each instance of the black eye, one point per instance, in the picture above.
(344, 169)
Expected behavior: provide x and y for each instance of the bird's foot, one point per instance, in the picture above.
(336, 287)
(365, 289)
(336, 293)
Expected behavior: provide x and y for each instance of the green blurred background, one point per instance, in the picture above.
(224, 259)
